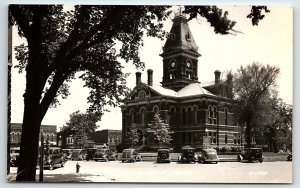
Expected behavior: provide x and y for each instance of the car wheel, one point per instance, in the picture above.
(62, 164)
(122, 161)
(261, 161)
(51, 166)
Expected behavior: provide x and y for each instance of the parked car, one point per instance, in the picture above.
(53, 157)
(77, 156)
(289, 157)
(251, 154)
(131, 155)
(187, 155)
(14, 156)
(163, 156)
(208, 155)
(104, 155)
(90, 153)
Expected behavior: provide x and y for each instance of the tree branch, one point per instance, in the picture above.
(21, 19)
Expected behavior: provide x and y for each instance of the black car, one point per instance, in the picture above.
(90, 153)
(163, 156)
(252, 154)
(187, 155)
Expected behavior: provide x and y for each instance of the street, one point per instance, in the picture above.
(149, 171)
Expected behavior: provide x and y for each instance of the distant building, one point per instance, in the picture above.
(193, 110)
(107, 136)
(50, 133)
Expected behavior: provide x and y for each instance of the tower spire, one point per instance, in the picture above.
(180, 54)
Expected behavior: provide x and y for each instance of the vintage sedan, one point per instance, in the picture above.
(105, 155)
(187, 155)
(53, 157)
(251, 154)
(131, 155)
(208, 156)
(14, 156)
(163, 156)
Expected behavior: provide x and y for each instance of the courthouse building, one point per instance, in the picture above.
(191, 108)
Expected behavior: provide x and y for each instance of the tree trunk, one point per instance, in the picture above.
(29, 145)
(31, 119)
(248, 134)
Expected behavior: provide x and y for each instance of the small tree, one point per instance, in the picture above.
(81, 125)
(132, 135)
(160, 130)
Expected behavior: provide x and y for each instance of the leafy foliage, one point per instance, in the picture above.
(219, 20)
(215, 16)
(253, 88)
(80, 126)
(132, 135)
(256, 14)
(159, 130)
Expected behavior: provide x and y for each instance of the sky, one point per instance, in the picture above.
(269, 43)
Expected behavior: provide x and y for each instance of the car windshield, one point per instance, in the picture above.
(102, 150)
(163, 151)
(127, 151)
(188, 151)
(210, 151)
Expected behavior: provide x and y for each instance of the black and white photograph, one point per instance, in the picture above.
(101, 93)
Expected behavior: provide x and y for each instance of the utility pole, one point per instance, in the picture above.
(42, 158)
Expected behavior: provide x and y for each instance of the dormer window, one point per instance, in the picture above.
(142, 94)
(188, 37)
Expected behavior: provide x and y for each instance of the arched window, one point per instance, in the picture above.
(11, 137)
(143, 116)
(226, 116)
(142, 94)
(195, 114)
(189, 120)
(215, 115)
(155, 109)
(210, 114)
(226, 139)
(172, 118)
(183, 116)
(132, 116)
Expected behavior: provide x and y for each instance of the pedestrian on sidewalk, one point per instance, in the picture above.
(77, 168)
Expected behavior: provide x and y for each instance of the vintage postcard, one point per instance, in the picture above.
(150, 94)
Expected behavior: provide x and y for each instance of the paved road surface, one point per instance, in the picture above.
(225, 172)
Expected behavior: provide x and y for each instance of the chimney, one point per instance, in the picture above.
(138, 77)
(217, 76)
(150, 77)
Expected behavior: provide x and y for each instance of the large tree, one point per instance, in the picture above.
(80, 125)
(253, 88)
(61, 43)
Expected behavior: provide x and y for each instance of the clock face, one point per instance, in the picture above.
(188, 64)
(173, 64)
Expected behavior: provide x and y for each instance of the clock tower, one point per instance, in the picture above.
(180, 53)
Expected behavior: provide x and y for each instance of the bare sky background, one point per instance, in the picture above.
(269, 43)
